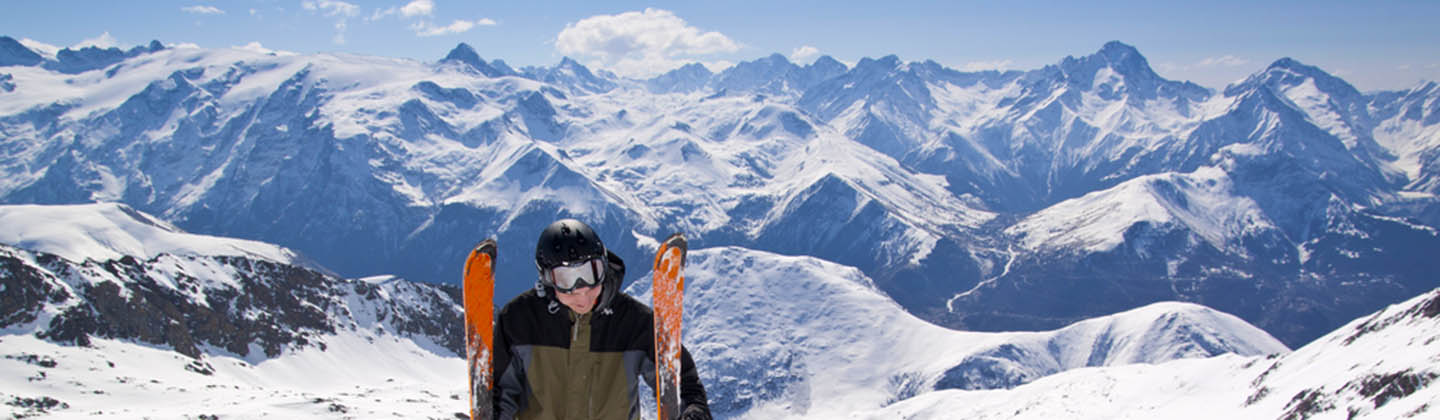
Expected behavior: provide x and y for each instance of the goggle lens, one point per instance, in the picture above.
(567, 278)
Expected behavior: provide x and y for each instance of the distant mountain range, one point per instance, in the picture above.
(999, 201)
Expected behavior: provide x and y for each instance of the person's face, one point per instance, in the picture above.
(580, 300)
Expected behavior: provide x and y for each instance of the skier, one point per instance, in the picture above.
(575, 347)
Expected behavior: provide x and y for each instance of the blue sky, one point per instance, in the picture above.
(1374, 45)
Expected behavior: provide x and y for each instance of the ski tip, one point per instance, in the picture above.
(487, 246)
(676, 239)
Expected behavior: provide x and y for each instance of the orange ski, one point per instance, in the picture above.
(668, 294)
(479, 290)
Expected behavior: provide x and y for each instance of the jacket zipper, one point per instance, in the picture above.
(589, 396)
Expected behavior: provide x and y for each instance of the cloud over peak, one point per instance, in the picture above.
(640, 43)
(202, 10)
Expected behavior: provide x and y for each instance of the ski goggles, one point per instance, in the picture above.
(568, 277)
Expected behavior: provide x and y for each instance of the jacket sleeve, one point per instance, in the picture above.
(692, 392)
(511, 392)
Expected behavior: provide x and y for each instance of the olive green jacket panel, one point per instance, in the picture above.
(576, 383)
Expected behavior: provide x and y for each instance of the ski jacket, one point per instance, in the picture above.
(552, 364)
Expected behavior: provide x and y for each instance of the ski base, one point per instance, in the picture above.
(479, 290)
(668, 300)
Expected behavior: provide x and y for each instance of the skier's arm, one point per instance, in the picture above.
(509, 376)
(692, 392)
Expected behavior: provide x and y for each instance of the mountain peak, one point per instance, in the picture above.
(693, 68)
(1295, 67)
(687, 78)
(572, 74)
(1287, 72)
(1119, 69)
(1118, 51)
(1289, 63)
(1123, 58)
(13, 53)
(776, 59)
(464, 54)
(827, 61)
(886, 63)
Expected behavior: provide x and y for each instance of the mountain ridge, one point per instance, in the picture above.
(912, 173)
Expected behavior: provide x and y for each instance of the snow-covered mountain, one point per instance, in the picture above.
(76, 273)
(1382, 366)
(115, 313)
(110, 311)
(786, 336)
(943, 186)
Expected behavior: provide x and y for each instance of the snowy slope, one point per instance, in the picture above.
(1378, 367)
(197, 325)
(783, 337)
(110, 231)
(1203, 202)
(356, 376)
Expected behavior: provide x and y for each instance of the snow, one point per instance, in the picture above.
(1203, 202)
(687, 161)
(108, 231)
(775, 337)
(1409, 140)
(798, 337)
(1319, 108)
(1231, 386)
(355, 376)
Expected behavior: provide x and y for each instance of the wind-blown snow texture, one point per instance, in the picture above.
(977, 200)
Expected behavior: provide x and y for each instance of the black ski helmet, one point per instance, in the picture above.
(567, 241)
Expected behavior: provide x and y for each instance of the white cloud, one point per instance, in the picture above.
(804, 53)
(255, 47)
(203, 10)
(103, 41)
(421, 8)
(1224, 61)
(418, 8)
(458, 26)
(331, 8)
(640, 44)
(336, 9)
(1000, 65)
